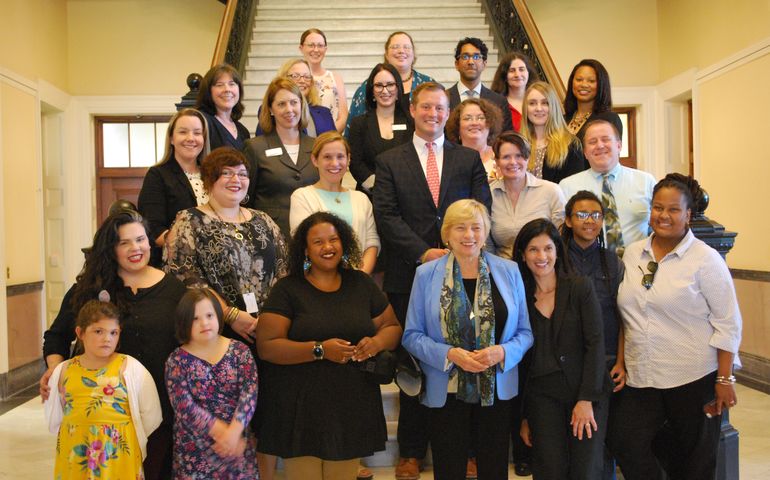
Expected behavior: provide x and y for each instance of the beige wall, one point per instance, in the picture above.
(139, 47)
(754, 298)
(622, 34)
(21, 184)
(697, 33)
(33, 35)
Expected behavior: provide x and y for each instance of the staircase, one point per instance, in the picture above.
(356, 32)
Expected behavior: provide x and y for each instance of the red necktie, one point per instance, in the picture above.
(434, 183)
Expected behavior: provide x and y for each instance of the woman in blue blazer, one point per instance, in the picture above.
(467, 324)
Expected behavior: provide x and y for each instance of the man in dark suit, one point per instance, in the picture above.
(470, 61)
(415, 183)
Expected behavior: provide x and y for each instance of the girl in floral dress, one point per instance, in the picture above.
(103, 404)
(212, 384)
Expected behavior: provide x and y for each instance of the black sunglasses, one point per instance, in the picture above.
(648, 278)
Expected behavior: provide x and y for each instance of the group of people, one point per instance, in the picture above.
(552, 297)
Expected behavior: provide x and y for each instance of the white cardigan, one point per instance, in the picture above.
(142, 400)
(306, 201)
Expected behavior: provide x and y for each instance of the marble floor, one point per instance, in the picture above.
(26, 447)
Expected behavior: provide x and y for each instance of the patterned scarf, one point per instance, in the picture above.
(469, 326)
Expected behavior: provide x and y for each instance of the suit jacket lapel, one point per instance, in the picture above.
(182, 179)
(412, 161)
(273, 141)
(454, 96)
(305, 148)
(560, 306)
(447, 170)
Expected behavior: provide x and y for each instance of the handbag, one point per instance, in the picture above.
(380, 368)
(409, 377)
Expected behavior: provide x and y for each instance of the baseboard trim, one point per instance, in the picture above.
(20, 378)
(752, 275)
(755, 372)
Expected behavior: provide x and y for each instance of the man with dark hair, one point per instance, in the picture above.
(470, 62)
(415, 183)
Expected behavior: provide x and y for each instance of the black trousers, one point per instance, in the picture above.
(520, 452)
(651, 428)
(556, 453)
(413, 416)
(449, 428)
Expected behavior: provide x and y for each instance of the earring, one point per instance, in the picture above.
(306, 264)
(245, 200)
(345, 260)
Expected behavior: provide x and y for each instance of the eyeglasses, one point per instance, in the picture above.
(396, 46)
(465, 57)
(378, 87)
(228, 174)
(297, 76)
(470, 118)
(583, 216)
(312, 46)
(648, 278)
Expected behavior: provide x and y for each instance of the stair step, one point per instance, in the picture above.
(382, 11)
(353, 4)
(379, 33)
(288, 47)
(405, 22)
(339, 62)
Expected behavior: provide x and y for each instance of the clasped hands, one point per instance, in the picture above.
(228, 438)
(477, 360)
(341, 351)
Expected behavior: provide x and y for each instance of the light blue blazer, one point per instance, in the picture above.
(423, 338)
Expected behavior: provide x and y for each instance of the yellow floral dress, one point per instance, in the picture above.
(96, 439)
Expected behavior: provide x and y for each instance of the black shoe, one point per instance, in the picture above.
(522, 469)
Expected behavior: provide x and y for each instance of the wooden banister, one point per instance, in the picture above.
(538, 45)
(224, 32)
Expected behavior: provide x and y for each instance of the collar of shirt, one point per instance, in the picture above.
(614, 173)
(530, 182)
(583, 252)
(679, 250)
(422, 153)
(462, 89)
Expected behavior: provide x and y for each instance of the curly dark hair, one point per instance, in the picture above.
(100, 271)
(529, 231)
(603, 100)
(491, 111)
(476, 42)
(688, 186)
(298, 243)
(205, 102)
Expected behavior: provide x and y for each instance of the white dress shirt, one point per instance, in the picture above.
(462, 90)
(673, 330)
(632, 190)
(422, 153)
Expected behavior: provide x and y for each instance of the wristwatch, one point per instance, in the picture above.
(318, 351)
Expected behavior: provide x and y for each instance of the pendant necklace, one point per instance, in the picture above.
(235, 233)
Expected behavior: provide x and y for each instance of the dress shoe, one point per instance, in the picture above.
(408, 469)
(522, 469)
(364, 474)
(471, 473)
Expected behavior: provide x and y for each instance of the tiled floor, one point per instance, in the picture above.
(26, 447)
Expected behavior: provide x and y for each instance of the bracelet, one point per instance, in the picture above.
(232, 314)
(722, 380)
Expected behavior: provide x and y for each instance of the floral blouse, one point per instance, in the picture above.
(234, 259)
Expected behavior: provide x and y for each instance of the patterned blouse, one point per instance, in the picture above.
(327, 90)
(202, 392)
(232, 258)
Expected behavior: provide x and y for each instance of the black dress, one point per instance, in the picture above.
(220, 136)
(323, 409)
(574, 163)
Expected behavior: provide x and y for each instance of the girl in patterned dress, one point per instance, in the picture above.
(103, 404)
(212, 384)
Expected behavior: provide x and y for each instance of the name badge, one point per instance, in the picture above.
(250, 299)
(399, 126)
(274, 152)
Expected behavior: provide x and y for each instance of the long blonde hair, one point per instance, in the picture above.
(559, 137)
(312, 95)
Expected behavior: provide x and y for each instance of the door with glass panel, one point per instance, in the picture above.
(126, 146)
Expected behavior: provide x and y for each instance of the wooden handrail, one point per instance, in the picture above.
(224, 32)
(538, 45)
